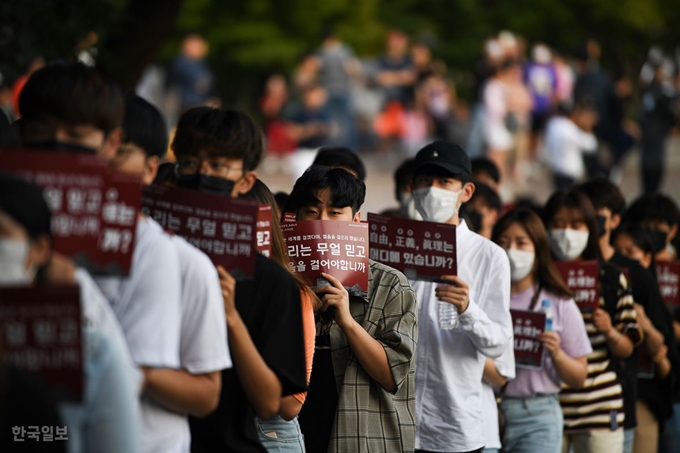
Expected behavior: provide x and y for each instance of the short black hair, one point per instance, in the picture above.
(23, 201)
(639, 235)
(72, 94)
(484, 165)
(487, 196)
(345, 189)
(604, 194)
(220, 133)
(144, 126)
(341, 157)
(653, 208)
(403, 176)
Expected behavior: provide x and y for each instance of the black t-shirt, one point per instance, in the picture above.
(318, 413)
(271, 310)
(656, 392)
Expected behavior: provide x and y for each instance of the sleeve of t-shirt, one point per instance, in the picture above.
(398, 330)
(310, 338)
(280, 332)
(152, 323)
(203, 344)
(574, 337)
(490, 328)
(505, 363)
(626, 316)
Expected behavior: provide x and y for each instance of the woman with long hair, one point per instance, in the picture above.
(594, 413)
(530, 401)
(281, 433)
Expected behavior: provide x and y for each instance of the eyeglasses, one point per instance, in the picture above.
(191, 166)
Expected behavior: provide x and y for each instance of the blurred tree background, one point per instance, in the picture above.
(251, 39)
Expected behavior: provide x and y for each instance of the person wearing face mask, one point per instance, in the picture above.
(193, 389)
(403, 193)
(660, 215)
(449, 389)
(107, 419)
(643, 393)
(218, 152)
(597, 426)
(74, 108)
(530, 401)
(486, 204)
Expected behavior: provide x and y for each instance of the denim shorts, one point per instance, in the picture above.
(532, 425)
(280, 436)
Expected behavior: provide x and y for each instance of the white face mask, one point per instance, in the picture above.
(13, 255)
(521, 263)
(436, 205)
(568, 244)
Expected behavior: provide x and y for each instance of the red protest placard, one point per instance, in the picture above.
(582, 278)
(94, 211)
(40, 333)
(330, 246)
(527, 327)
(668, 275)
(421, 250)
(263, 230)
(221, 226)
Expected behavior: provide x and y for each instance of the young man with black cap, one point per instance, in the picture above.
(451, 362)
(361, 393)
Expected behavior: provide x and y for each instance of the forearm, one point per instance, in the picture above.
(491, 375)
(676, 330)
(619, 344)
(371, 355)
(654, 340)
(260, 384)
(663, 367)
(183, 392)
(572, 371)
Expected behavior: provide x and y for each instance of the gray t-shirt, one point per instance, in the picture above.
(333, 68)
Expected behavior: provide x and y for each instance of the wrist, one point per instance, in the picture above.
(463, 308)
(613, 336)
(233, 318)
(346, 325)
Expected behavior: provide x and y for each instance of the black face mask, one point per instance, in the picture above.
(657, 239)
(601, 222)
(206, 184)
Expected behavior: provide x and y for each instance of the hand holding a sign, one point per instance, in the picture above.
(457, 294)
(335, 295)
(602, 321)
(619, 344)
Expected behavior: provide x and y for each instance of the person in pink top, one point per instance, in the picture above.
(530, 403)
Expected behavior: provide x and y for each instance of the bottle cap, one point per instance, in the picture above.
(545, 303)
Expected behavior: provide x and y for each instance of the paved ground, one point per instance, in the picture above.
(380, 185)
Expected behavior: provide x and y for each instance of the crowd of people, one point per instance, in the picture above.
(181, 356)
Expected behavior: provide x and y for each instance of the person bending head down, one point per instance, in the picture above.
(324, 193)
(217, 151)
(72, 107)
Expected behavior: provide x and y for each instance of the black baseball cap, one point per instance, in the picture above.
(445, 155)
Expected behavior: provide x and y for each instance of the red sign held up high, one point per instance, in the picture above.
(222, 227)
(94, 211)
(334, 247)
(421, 250)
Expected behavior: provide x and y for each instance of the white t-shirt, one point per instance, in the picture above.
(147, 304)
(565, 145)
(505, 365)
(497, 135)
(450, 363)
(107, 419)
(203, 341)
